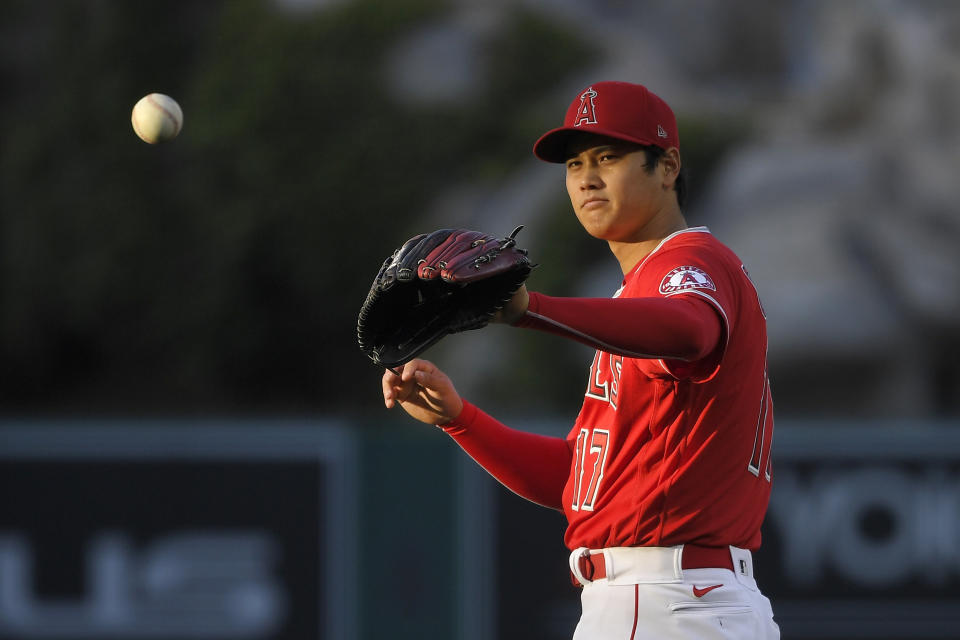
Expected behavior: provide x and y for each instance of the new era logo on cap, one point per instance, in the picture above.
(616, 109)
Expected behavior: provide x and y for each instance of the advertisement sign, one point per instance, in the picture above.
(126, 531)
(862, 538)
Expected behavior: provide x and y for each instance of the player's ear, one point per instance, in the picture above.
(670, 166)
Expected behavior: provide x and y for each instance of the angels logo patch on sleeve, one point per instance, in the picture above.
(687, 277)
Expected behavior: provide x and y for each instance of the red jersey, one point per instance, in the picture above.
(669, 452)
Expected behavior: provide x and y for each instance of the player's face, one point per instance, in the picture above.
(615, 196)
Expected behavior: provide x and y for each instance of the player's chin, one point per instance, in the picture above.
(600, 230)
(592, 224)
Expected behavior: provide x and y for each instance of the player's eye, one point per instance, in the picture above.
(572, 164)
(607, 157)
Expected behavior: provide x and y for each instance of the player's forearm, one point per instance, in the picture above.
(533, 466)
(677, 328)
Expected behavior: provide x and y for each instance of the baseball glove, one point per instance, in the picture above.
(436, 284)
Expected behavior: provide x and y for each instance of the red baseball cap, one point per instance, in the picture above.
(617, 109)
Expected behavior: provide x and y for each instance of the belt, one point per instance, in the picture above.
(594, 567)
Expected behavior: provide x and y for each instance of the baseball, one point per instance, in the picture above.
(156, 118)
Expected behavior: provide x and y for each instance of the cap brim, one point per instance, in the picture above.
(552, 146)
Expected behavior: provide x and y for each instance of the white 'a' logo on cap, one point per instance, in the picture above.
(588, 111)
(661, 132)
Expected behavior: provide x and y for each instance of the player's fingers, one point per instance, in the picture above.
(411, 368)
(439, 394)
(388, 382)
(428, 379)
(435, 384)
(390, 377)
(395, 389)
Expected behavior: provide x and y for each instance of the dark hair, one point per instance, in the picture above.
(654, 153)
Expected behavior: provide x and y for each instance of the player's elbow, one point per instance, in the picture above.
(698, 336)
(695, 349)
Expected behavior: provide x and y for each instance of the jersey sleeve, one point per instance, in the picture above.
(690, 272)
(533, 466)
(648, 327)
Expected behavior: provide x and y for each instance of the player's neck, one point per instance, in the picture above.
(630, 253)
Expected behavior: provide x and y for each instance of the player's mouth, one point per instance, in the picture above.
(593, 203)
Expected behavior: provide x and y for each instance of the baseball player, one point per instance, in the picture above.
(665, 476)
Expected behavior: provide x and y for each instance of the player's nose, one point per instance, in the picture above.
(590, 178)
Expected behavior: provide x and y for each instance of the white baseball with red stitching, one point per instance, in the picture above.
(156, 118)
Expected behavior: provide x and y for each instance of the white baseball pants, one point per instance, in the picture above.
(647, 596)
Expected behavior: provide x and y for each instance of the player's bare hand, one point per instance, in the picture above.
(423, 391)
(515, 309)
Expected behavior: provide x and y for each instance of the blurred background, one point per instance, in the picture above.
(192, 445)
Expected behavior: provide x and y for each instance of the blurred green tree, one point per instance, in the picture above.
(223, 271)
